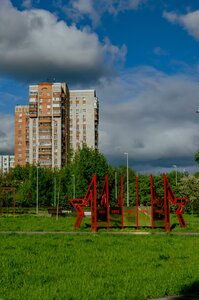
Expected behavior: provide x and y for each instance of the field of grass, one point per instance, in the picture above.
(44, 223)
(34, 223)
(96, 266)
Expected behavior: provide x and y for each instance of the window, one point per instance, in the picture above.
(56, 105)
(32, 100)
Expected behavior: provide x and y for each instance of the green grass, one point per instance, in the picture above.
(192, 222)
(96, 266)
(34, 223)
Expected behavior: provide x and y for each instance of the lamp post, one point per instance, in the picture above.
(127, 178)
(37, 198)
(176, 170)
(55, 182)
(73, 186)
(115, 185)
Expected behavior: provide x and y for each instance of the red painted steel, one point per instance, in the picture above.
(89, 197)
(180, 202)
(152, 200)
(159, 206)
(119, 203)
(104, 202)
(137, 202)
(121, 200)
(166, 206)
(162, 205)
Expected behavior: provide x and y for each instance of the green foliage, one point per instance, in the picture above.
(197, 156)
(56, 187)
(189, 187)
(85, 163)
(144, 190)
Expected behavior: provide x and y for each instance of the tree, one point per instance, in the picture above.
(85, 163)
(189, 187)
(196, 155)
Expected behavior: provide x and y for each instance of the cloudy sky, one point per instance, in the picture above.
(141, 56)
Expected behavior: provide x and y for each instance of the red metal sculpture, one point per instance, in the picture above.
(103, 215)
(89, 198)
(162, 205)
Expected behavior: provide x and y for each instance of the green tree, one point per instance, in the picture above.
(196, 156)
(85, 163)
(189, 187)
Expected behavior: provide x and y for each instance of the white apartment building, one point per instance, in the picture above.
(83, 119)
(6, 163)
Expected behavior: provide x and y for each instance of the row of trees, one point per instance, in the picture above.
(60, 185)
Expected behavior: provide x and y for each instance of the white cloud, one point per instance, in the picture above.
(34, 44)
(190, 21)
(92, 9)
(149, 114)
(6, 134)
(27, 3)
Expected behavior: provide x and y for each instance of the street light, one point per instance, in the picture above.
(115, 185)
(176, 170)
(55, 182)
(73, 186)
(127, 178)
(37, 198)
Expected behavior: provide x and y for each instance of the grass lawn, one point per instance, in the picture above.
(96, 266)
(35, 223)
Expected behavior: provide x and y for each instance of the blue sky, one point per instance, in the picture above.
(141, 56)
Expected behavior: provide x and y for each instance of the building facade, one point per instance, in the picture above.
(21, 135)
(55, 121)
(6, 163)
(84, 119)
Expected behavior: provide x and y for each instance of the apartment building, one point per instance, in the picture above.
(21, 135)
(83, 119)
(55, 121)
(6, 163)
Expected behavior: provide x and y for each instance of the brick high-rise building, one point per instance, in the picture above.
(21, 135)
(55, 121)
